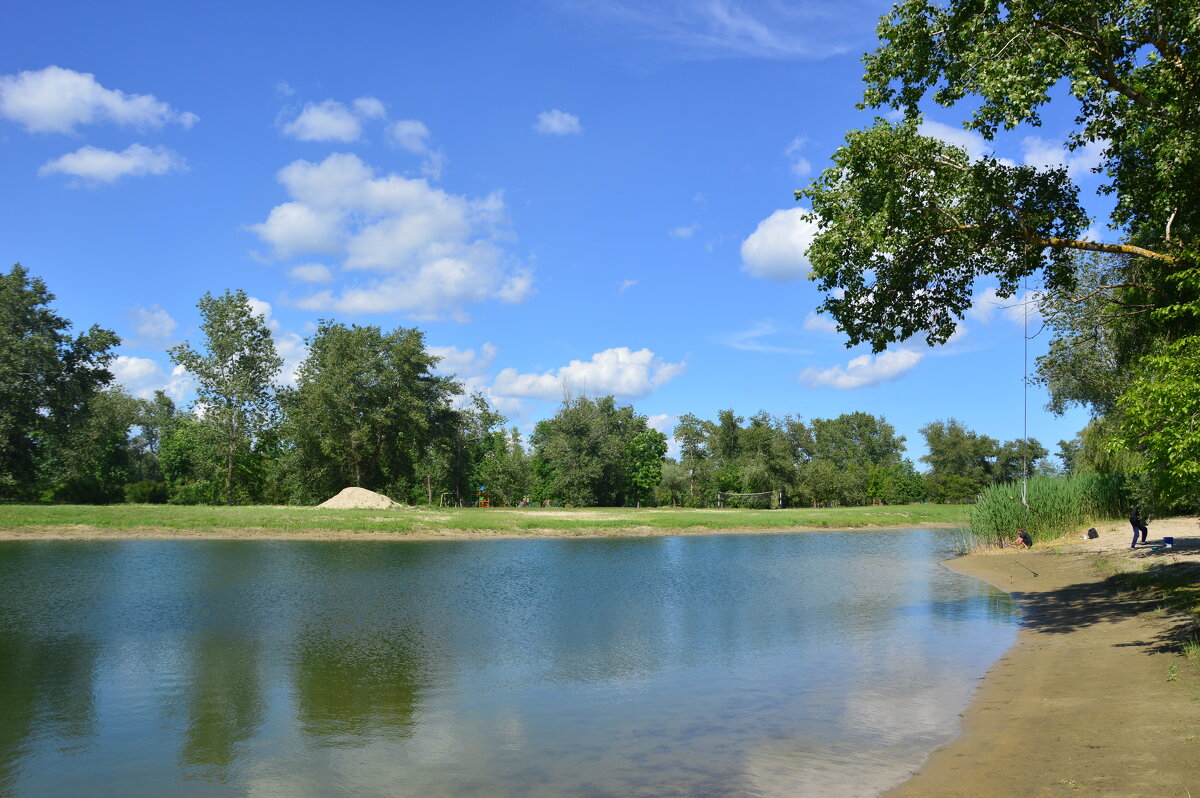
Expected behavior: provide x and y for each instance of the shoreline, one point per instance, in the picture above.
(1093, 697)
(93, 533)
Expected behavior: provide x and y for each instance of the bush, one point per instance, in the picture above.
(1057, 506)
(147, 492)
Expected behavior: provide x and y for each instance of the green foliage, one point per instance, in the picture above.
(364, 411)
(960, 461)
(584, 455)
(147, 492)
(897, 208)
(235, 376)
(1167, 386)
(644, 454)
(47, 380)
(1057, 506)
(91, 462)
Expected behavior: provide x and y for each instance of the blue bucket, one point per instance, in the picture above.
(1168, 542)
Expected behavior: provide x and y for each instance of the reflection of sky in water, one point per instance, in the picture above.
(719, 665)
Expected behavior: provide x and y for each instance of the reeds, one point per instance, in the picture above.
(1054, 507)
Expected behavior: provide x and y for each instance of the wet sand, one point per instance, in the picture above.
(1094, 698)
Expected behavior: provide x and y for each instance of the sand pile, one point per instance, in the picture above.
(360, 499)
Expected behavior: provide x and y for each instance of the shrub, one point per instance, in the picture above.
(147, 492)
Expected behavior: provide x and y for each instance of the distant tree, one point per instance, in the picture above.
(157, 418)
(365, 410)
(1019, 458)
(644, 454)
(91, 462)
(47, 378)
(961, 461)
(235, 375)
(582, 453)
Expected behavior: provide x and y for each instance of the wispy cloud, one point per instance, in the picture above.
(743, 28)
(752, 339)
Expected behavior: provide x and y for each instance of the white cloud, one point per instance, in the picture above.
(463, 362)
(733, 28)
(57, 100)
(864, 370)
(975, 145)
(291, 347)
(294, 228)
(777, 249)
(1045, 154)
(141, 377)
(370, 108)
(260, 308)
(818, 322)
(801, 166)
(311, 273)
(153, 323)
(751, 340)
(665, 423)
(618, 371)
(436, 251)
(1012, 309)
(625, 285)
(413, 136)
(93, 165)
(328, 121)
(557, 123)
(684, 231)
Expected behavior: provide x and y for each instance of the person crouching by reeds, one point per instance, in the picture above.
(1022, 541)
(1139, 526)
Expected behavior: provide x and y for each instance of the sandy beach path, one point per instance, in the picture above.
(1093, 699)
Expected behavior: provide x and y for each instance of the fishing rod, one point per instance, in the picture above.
(1026, 567)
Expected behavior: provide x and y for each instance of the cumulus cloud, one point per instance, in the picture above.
(463, 362)
(1047, 154)
(436, 251)
(153, 323)
(665, 423)
(326, 121)
(864, 370)
(311, 273)
(557, 123)
(93, 165)
(778, 249)
(975, 145)
(413, 136)
(619, 371)
(57, 100)
(141, 377)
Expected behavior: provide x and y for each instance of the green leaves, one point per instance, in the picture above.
(909, 224)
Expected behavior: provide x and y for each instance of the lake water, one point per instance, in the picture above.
(727, 665)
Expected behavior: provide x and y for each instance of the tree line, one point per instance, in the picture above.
(368, 409)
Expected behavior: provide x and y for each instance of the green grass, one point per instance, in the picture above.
(137, 517)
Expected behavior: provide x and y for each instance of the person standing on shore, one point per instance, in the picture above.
(1139, 526)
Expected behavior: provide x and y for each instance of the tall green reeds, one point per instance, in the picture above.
(1057, 506)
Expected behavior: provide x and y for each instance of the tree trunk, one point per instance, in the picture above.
(229, 477)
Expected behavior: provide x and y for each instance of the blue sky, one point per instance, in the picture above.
(596, 193)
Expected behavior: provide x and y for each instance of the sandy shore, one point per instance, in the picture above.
(1094, 698)
(88, 532)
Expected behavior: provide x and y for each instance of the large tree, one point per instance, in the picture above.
(235, 376)
(908, 223)
(48, 378)
(365, 409)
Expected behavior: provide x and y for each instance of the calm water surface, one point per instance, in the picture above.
(727, 665)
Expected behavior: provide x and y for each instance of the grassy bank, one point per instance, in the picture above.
(131, 518)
